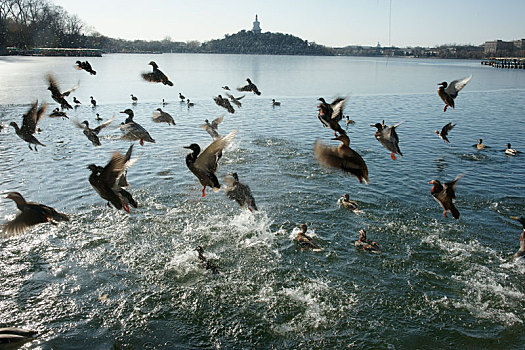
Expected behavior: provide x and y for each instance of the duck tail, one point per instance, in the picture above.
(454, 211)
(60, 217)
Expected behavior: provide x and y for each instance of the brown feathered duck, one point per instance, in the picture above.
(444, 132)
(157, 76)
(348, 204)
(235, 100)
(250, 87)
(29, 125)
(207, 263)
(105, 180)
(15, 337)
(449, 92)
(58, 96)
(342, 157)
(387, 137)
(134, 131)
(204, 165)
(445, 194)
(521, 252)
(223, 102)
(30, 214)
(159, 116)
(364, 243)
(330, 114)
(304, 240)
(239, 192)
(85, 66)
(480, 145)
(57, 113)
(92, 134)
(212, 128)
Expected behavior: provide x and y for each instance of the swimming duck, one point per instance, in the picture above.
(133, 130)
(162, 117)
(204, 165)
(77, 102)
(480, 144)
(58, 96)
(349, 121)
(342, 157)
(366, 244)
(510, 151)
(182, 97)
(164, 103)
(30, 214)
(189, 104)
(105, 181)
(520, 252)
(212, 128)
(92, 134)
(85, 66)
(57, 113)
(275, 103)
(331, 114)
(444, 132)
(134, 99)
(448, 92)
(29, 125)
(445, 195)
(156, 76)
(306, 241)
(235, 100)
(207, 263)
(98, 117)
(93, 102)
(239, 192)
(346, 203)
(388, 138)
(14, 335)
(223, 102)
(250, 87)
(226, 87)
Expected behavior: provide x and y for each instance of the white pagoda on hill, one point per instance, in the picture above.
(256, 28)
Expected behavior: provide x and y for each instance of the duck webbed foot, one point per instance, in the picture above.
(445, 214)
(393, 156)
(141, 142)
(126, 208)
(445, 109)
(204, 191)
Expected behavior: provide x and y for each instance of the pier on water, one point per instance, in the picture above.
(505, 62)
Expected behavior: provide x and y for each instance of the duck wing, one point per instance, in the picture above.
(215, 123)
(455, 86)
(67, 92)
(337, 108)
(208, 158)
(112, 171)
(31, 118)
(103, 125)
(123, 181)
(447, 128)
(450, 187)
(350, 162)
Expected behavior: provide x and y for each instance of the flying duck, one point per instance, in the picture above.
(207, 263)
(156, 76)
(235, 100)
(342, 157)
(249, 87)
(520, 252)
(331, 114)
(226, 87)
(85, 66)
(14, 336)
(444, 132)
(445, 195)
(57, 113)
(134, 99)
(449, 92)
(239, 192)
(366, 244)
(346, 203)
(182, 97)
(105, 181)
(58, 96)
(306, 241)
(30, 214)
(223, 102)
(275, 103)
(212, 128)
(387, 137)
(159, 116)
(510, 151)
(92, 134)
(29, 125)
(133, 130)
(204, 165)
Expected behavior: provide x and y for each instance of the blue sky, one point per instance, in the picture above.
(333, 23)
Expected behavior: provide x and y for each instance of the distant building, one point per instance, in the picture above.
(499, 47)
(256, 26)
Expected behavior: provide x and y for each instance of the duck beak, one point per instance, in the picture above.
(188, 147)
(431, 182)
(372, 125)
(514, 217)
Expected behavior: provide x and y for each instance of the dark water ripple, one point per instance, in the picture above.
(133, 281)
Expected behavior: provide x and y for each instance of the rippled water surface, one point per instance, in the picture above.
(111, 279)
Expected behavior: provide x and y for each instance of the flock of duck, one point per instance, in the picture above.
(110, 183)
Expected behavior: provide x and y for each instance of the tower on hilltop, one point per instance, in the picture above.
(256, 28)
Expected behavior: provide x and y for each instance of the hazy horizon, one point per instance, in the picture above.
(335, 23)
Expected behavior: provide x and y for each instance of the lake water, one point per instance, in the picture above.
(109, 279)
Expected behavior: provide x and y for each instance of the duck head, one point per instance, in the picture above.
(94, 169)
(248, 80)
(508, 145)
(159, 109)
(521, 220)
(199, 249)
(153, 64)
(16, 197)
(234, 175)
(129, 112)
(444, 84)
(437, 132)
(480, 141)
(85, 122)
(303, 228)
(206, 121)
(379, 126)
(194, 147)
(13, 124)
(346, 196)
(362, 235)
